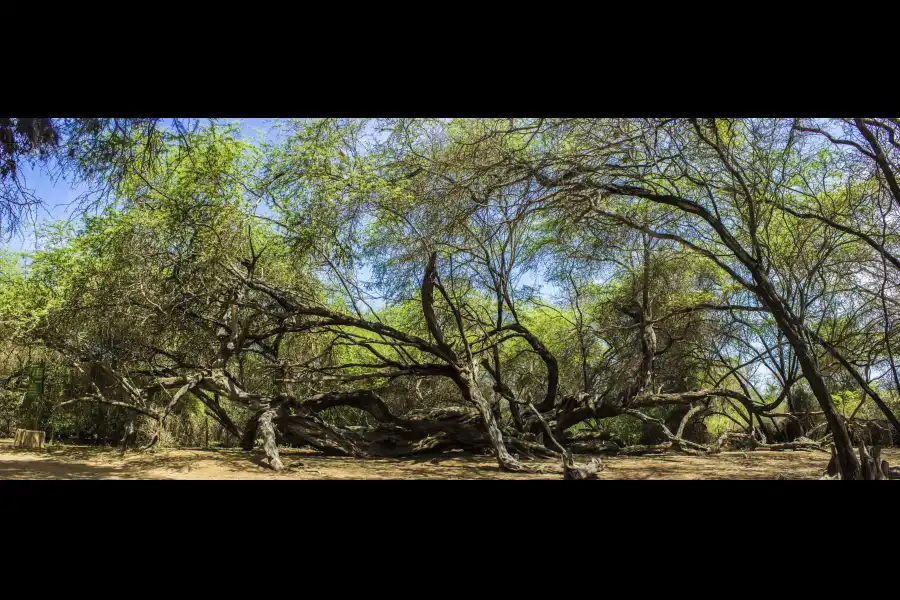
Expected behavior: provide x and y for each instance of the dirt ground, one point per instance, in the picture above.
(81, 462)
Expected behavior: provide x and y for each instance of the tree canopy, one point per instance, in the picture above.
(525, 287)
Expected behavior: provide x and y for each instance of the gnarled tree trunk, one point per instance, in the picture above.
(267, 430)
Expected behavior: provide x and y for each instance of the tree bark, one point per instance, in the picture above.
(267, 430)
(249, 438)
(795, 333)
(473, 395)
(129, 433)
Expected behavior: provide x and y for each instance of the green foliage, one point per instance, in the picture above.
(531, 239)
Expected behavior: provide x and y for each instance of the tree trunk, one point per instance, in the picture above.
(267, 430)
(250, 431)
(795, 332)
(27, 438)
(850, 467)
(472, 394)
(129, 434)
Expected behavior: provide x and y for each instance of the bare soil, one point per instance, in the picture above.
(85, 462)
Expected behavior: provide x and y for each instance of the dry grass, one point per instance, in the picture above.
(80, 462)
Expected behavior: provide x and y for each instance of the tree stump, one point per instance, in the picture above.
(28, 438)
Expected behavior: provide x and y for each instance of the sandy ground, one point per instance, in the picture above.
(80, 462)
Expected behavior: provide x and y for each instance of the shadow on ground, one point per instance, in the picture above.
(98, 462)
(93, 462)
(42, 469)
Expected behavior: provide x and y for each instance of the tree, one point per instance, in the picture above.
(100, 154)
(718, 181)
(373, 287)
